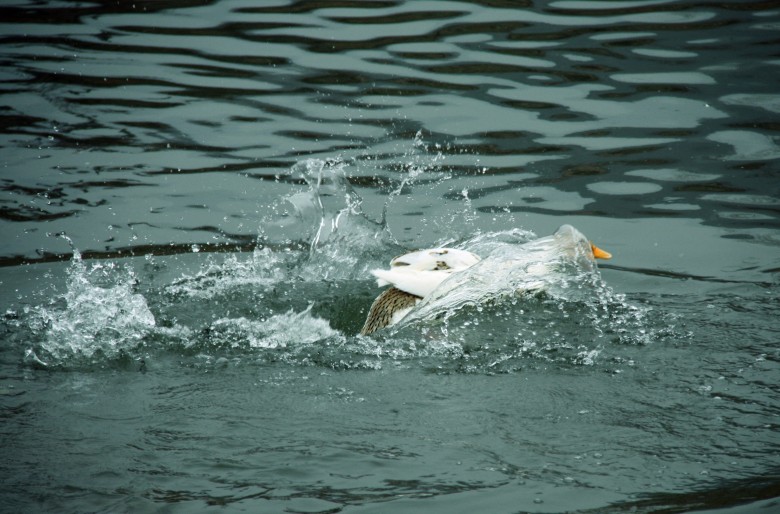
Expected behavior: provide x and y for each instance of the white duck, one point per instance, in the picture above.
(414, 276)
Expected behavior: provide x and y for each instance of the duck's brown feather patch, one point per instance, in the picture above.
(381, 312)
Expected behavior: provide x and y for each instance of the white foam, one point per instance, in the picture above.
(289, 329)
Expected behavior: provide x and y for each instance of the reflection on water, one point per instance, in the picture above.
(220, 177)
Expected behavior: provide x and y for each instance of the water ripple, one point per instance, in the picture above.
(204, 87)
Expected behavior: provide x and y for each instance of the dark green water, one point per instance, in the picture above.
(194, 193)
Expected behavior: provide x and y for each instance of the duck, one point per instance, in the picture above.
(414, 276)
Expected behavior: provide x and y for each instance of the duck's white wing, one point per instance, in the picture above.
(436, 259)
(416, 282)
(420, 272)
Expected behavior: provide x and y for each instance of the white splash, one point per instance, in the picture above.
(561, 265)
(345, 242)
(262, 268)
(100, 312)
(290, 329)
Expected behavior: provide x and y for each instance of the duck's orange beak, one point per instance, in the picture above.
(599, 253)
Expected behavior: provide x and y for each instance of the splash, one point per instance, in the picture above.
(262, 269)
(328, 238)
(345, 243)
(418, 165)
(99, 316)
(527, 298)
(560, 265)
(303, 300)
(330, 205)
(281, 331)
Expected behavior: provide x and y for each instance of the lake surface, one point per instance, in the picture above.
(194, 193)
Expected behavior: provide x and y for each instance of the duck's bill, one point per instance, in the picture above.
(599, 253)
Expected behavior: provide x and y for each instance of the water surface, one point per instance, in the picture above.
(194, 192)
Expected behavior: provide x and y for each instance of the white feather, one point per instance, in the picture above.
(420, 272)
(433, 259)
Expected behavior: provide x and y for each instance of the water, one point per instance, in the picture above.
(194, 193)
